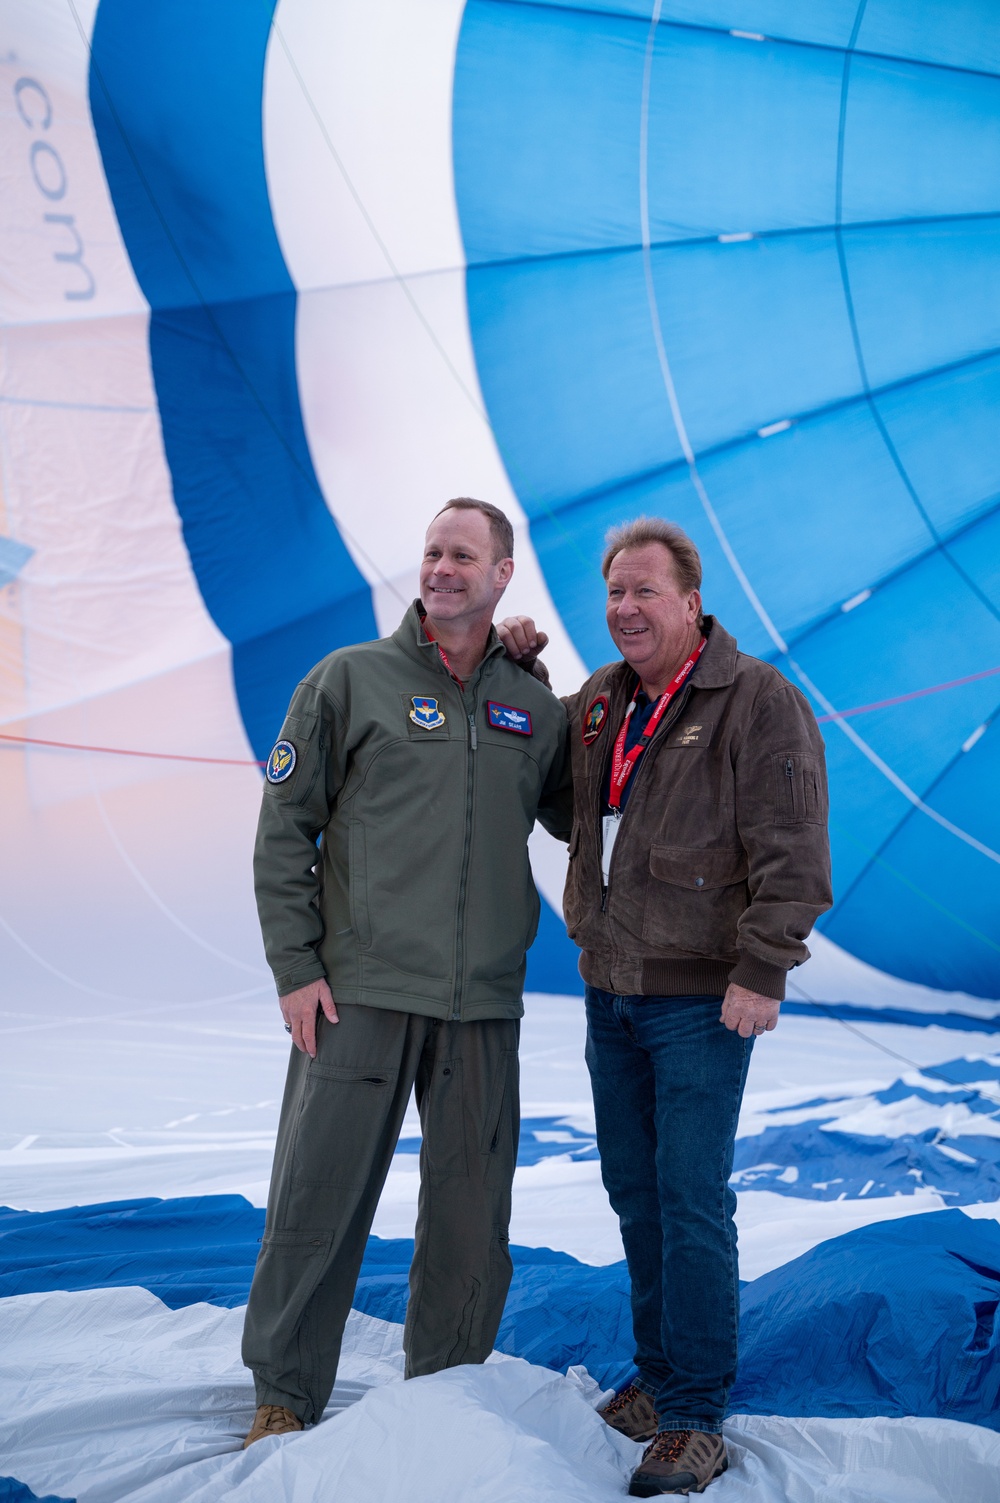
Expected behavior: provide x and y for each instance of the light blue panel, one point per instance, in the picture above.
(743, 136)
(735, 320)
(977, 552)
(947, 435)
(919, 141)
(861, 491)
(594, 412)
(952, 939)
(796, 505)
(954, 33)
(925, 295)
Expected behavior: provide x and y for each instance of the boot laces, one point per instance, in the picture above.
(622, 1400)
(670, 1445)
(276, 1417)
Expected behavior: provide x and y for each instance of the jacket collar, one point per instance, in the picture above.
(410, 636)
(716, 668)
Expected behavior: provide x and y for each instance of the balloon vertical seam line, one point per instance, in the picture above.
(848, 730)
(859, 355)
(275, 427)
(897, 829)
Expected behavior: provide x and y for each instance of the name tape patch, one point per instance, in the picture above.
(509, 718)
(691, 733)
(281, 762)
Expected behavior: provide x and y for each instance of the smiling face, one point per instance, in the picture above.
(460, 580)
(654, 623)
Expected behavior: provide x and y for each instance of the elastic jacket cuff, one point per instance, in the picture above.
(291, 981)
(759, 976)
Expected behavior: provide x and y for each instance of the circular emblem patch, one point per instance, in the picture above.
(281, 762)
(593, 721)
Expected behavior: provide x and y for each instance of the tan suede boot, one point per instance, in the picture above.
(272, 1419)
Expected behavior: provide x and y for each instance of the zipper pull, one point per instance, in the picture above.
(475, 742)
(789, 769)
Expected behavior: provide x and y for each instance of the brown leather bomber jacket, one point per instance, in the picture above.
(722, 862)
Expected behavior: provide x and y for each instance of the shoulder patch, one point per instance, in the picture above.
(593, 721)
(425, 712)
(281, 762)
(508, 718)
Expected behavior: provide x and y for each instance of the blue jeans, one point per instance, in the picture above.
(668, 1080)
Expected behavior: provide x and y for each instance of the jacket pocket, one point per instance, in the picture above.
(799, 797)
(694, 899)
(360, 919)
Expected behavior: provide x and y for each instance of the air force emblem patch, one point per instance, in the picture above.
(593, 721)
(281, 762)
(425, 713)
(508, 718)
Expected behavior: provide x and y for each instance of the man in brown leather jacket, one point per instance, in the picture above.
(699, 862)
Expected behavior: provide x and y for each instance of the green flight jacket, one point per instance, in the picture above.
(422, 797)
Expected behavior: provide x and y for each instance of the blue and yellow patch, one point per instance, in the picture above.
(509, 718)
(281, 762)
(425, 712)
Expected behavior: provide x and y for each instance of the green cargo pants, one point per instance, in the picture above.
(340, 1121)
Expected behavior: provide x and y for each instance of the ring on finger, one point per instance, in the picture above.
(288, 1027)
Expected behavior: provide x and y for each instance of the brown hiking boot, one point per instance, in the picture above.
(632, 1413)
(679, 1461)
(272, 1419)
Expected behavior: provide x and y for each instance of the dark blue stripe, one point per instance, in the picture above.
(176, 92)
(12, 1491)
(963, 1022)
(921, 1293)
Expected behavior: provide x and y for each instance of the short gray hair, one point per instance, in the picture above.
(501, 530)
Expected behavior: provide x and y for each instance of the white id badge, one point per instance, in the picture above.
(609, 831)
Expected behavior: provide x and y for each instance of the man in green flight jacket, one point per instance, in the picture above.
(397, 905)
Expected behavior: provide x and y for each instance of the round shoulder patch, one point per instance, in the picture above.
(593, 721)
(281, 762)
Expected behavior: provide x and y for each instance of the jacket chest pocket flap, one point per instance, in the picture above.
(698, 869)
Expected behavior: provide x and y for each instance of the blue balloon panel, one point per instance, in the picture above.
(819, 255)
(175, 92)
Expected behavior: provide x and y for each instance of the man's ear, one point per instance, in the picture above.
(694, 604)
(505, 571)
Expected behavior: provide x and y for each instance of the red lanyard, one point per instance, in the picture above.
(429, 634)
(622, 764)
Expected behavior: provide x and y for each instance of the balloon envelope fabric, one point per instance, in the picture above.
(738, 266)
(280, 280)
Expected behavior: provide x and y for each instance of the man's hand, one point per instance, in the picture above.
(522, 641)
(300, 1008)
(748, 1012)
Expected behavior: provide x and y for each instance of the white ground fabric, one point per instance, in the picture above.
(108, 1395)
